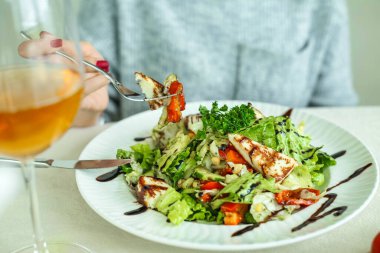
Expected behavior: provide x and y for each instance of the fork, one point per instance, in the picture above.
(120, 88)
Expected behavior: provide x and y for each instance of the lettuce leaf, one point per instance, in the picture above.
(179, 211)
(199, 211)
(242, 189)
(144, 155)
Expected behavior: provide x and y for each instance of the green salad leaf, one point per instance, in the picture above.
(243, 188)
(199, 211)
(141, 154)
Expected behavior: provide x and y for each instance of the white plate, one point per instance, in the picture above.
(111, 199)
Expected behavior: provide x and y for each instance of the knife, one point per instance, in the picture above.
(74, 164)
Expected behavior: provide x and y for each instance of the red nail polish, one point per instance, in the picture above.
(103, 64)
(56, 43)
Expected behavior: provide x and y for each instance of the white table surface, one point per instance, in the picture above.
(67, 217)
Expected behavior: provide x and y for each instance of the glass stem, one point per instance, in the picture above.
(30, 183)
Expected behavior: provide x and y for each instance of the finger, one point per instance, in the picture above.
(69, 46)
(94, 82)
(96, 101)
(39, 47)
(48, 44)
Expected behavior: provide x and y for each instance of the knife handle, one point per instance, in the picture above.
(38, 163)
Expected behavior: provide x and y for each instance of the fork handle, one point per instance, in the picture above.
(89, 64)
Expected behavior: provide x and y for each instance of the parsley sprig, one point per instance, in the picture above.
(220, 120)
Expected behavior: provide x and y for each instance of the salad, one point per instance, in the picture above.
(223, 165)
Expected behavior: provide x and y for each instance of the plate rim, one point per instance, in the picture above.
(245, 246)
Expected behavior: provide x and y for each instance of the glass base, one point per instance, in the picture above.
(56, 247)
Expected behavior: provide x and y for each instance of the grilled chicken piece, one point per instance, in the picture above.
(149, 189)
(265, 160)
(151, 89)
(194, 122)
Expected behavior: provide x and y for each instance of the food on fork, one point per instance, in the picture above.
(153, 89)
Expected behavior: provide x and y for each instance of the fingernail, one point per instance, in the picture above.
(104, 65)
(56, 43)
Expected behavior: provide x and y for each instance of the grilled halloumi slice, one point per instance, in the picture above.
(151, 89)
(194, 122)
(149, 189)
(263, 159)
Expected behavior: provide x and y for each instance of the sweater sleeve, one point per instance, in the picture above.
(334, 83)
(98, 25)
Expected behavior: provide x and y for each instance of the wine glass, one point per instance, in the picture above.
(40, 92)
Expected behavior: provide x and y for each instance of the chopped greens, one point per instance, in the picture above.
(220, 120)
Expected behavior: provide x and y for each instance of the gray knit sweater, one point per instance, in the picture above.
(288, 52)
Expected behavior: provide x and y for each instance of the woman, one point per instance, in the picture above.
(290, 52)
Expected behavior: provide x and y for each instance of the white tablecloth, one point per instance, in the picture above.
(67, 217)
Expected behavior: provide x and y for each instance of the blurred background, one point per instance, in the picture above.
(365, 48)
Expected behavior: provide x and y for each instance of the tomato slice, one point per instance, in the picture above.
(177, 103)
(233, 212)
(222, 154)
(211, 185)
(206, 197)
(293, 197)
(376, 244)
(182, 102)
(230, 154)
(233, 156)
(174, 112)
(175, 87)
(233, 207)
(226, 171)
(232, 218)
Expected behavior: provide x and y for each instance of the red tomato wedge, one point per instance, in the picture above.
(174, 112)
(376, 244)
(226, 171)
(177, 103)
(232, 218)
(230, 154)
(206, 197)
(233, 156)
(293, 197)
(222, 154)
(233, 212)
(211, 185)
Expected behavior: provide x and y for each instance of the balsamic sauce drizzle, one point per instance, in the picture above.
(317, 214)
(109, 175)
(137, 211)
(141, 138)
(353, 175)
(256, 225)
(288, 113)
(339, 154)
(246, 229)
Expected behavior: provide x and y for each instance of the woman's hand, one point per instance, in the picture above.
(95, 98)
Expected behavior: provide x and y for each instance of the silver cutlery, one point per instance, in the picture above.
(120, 88)
(72, 164)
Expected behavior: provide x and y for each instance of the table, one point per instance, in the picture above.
(67, 217)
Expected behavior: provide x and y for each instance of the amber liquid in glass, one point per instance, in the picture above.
(37, 105)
